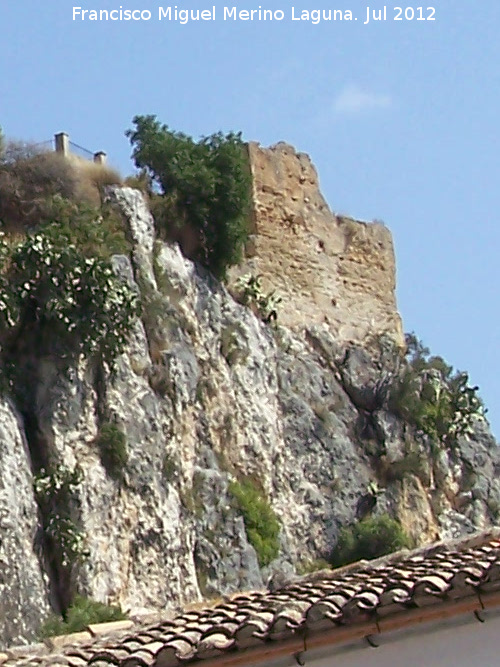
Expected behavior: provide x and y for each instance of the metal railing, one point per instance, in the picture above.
(65, 147)
(80, 150)
(50, 143)
(61, 144)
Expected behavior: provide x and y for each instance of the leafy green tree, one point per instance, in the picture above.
(204, 186)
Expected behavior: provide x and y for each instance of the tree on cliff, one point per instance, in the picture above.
(204, 187)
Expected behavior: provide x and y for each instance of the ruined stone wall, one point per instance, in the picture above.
(328, 269)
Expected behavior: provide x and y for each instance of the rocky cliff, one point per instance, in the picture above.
(214, 402)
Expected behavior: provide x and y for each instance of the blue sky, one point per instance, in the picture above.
(400, 118)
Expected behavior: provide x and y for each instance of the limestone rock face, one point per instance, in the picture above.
(23, 584)
(207, 396)
(327, 268)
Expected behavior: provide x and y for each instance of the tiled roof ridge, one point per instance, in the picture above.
(460, 544)
(328, 601)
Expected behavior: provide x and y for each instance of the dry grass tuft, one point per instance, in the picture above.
(140, 181)
(28, 181)
(93, 178)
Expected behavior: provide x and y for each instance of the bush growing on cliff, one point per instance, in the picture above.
(55, 493)
(112, 444)
(55, 299)
(437, 401)
(370, 538)
(95, 232)
(82, 613)
(205, 190)
(250, 293)
(261, 524)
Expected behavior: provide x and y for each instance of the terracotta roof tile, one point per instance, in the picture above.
(326, 600)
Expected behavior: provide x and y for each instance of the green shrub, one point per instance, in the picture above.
(54, 298)
(55, 493)
(82, 613)
(250, 294)
(430, 396)
(261, 524)
(95, 232)
(368, 539)
(205, 188)
(112, 444)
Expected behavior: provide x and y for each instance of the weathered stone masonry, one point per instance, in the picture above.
(328, 268)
